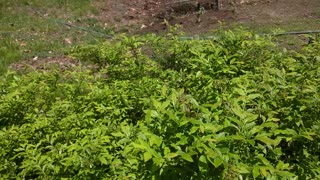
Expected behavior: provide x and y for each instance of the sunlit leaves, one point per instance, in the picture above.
(160, 108)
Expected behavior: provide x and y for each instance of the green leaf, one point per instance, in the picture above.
(193, 129)
(302, 108)
(264, 160)
(264, 171)
(242, 169)
(268, 141)
(116, 162)
(147, 156)
(166, 151)
(154, 113)
(198, 74)
(214, 106)
(251, 118)
(255, 171)
(164, 90)
(217, 162)
(237, 137)
(282, 166)
(165, 104)
(203, 159)
(240, 92)
(308, 135)
(238, 111)
(155, 140)
(156, 103)
(19, 149)
(256, 129)
(171, 155)
(103, 160)
(273, 119)
(56, 169)
(253, 96)
(118, 134)
(139, 146)
(186, 156)
(285, 174)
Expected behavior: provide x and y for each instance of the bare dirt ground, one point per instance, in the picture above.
(36, 63)
(144, 16)
(148, 15)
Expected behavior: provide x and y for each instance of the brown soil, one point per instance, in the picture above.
(142, 16)
(148, 15)
(47, 63)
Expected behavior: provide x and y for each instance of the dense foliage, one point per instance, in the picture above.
(236, 107)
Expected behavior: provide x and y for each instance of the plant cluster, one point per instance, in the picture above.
(236, 107)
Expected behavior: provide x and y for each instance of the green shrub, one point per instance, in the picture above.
(161, 108)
